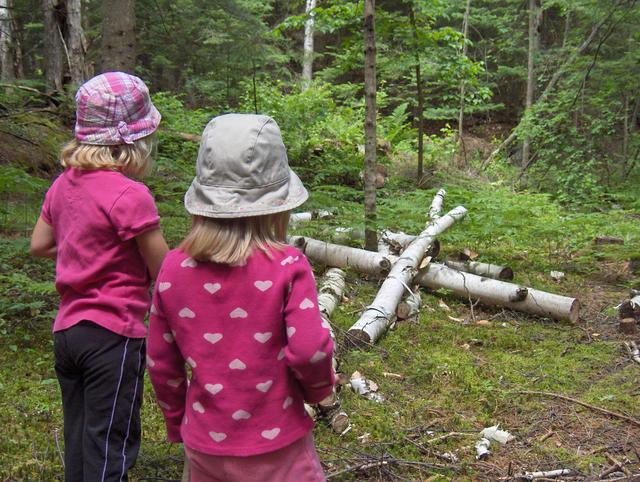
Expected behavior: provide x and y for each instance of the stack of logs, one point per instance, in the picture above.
(405, 263)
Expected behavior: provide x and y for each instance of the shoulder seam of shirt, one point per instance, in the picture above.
(118, 198)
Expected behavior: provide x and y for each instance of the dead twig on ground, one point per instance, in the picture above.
(621, 416)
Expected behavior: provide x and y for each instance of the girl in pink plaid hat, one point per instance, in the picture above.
(102, 228)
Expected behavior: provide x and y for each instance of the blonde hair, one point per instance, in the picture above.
(131, 159)
(231, 241)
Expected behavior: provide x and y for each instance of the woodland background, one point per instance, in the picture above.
(558, 79)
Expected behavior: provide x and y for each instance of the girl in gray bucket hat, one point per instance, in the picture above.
(239, 306)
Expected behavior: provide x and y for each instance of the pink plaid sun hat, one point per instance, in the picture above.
(114, 108)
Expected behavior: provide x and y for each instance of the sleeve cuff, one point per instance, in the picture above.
(316, 395)
(148, 225)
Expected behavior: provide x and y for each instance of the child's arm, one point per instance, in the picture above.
(309, 349)
(166, 370)
(43, 241)
(153, 248)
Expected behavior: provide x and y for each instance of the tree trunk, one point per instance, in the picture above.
(53, 48)
(420, 93)
(465, 35)
(7, 70)
(552, 83)
(535, 13)
(307, 62)
(76, 44)
(370, 143)
(118, 36)
(376, 318)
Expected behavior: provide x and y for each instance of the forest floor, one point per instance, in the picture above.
(451, 376)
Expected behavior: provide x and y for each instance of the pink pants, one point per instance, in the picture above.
(297, 462)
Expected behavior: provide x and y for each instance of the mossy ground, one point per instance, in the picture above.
(456, 377)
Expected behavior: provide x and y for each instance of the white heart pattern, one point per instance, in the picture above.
(164, 286)
(213, 337)
(213, 389)
(150, 362)
(317, 356)
(197, 406)
(287, 260)
(291, 331)
(287, 402)
(325, 324)
(241, 415)
(153, 310)
(237, 364)
(263, 337)
(306, 304)
(168, 337)
(263, 285)
(164, 405)
(281, 354)
(212, 287)
(238, 313)
(264, 386)
(189, 263)
(217, 436)
(191, 362)
(270, 434)
(186, 313)
(176, 382)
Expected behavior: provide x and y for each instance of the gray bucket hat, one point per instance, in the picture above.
(242, 170)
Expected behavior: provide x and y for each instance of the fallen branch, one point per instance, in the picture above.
(584, 404)
(308, 216)
(547, 474)
(379, 314)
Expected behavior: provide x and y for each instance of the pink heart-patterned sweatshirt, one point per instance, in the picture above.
(255, 344)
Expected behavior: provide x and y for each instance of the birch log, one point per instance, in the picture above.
(436, 204)
(308, 216)
(482, 269)
(467, 285)
(376, 318)
(329, 295)
(409, 306)
(500, 293)
(399, 241)
(342, 256)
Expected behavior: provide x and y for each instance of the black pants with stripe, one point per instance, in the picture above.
(101, 379)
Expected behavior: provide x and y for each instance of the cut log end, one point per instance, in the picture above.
(358, 338)
(506, 274)
(574, 311)
(628, 326)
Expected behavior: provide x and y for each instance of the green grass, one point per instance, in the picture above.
(457, 377)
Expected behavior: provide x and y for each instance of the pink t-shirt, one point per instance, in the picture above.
(256, 346)
(100, 273)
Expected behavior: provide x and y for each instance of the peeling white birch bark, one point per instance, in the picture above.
(339, 256)
(482, 269)
(376, 318)
(436, 204)
(399, 241)
(493, 292)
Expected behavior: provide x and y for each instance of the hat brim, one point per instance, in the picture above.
(236, 202)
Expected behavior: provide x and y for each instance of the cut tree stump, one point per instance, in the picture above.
(377, 317)
(628, 326)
